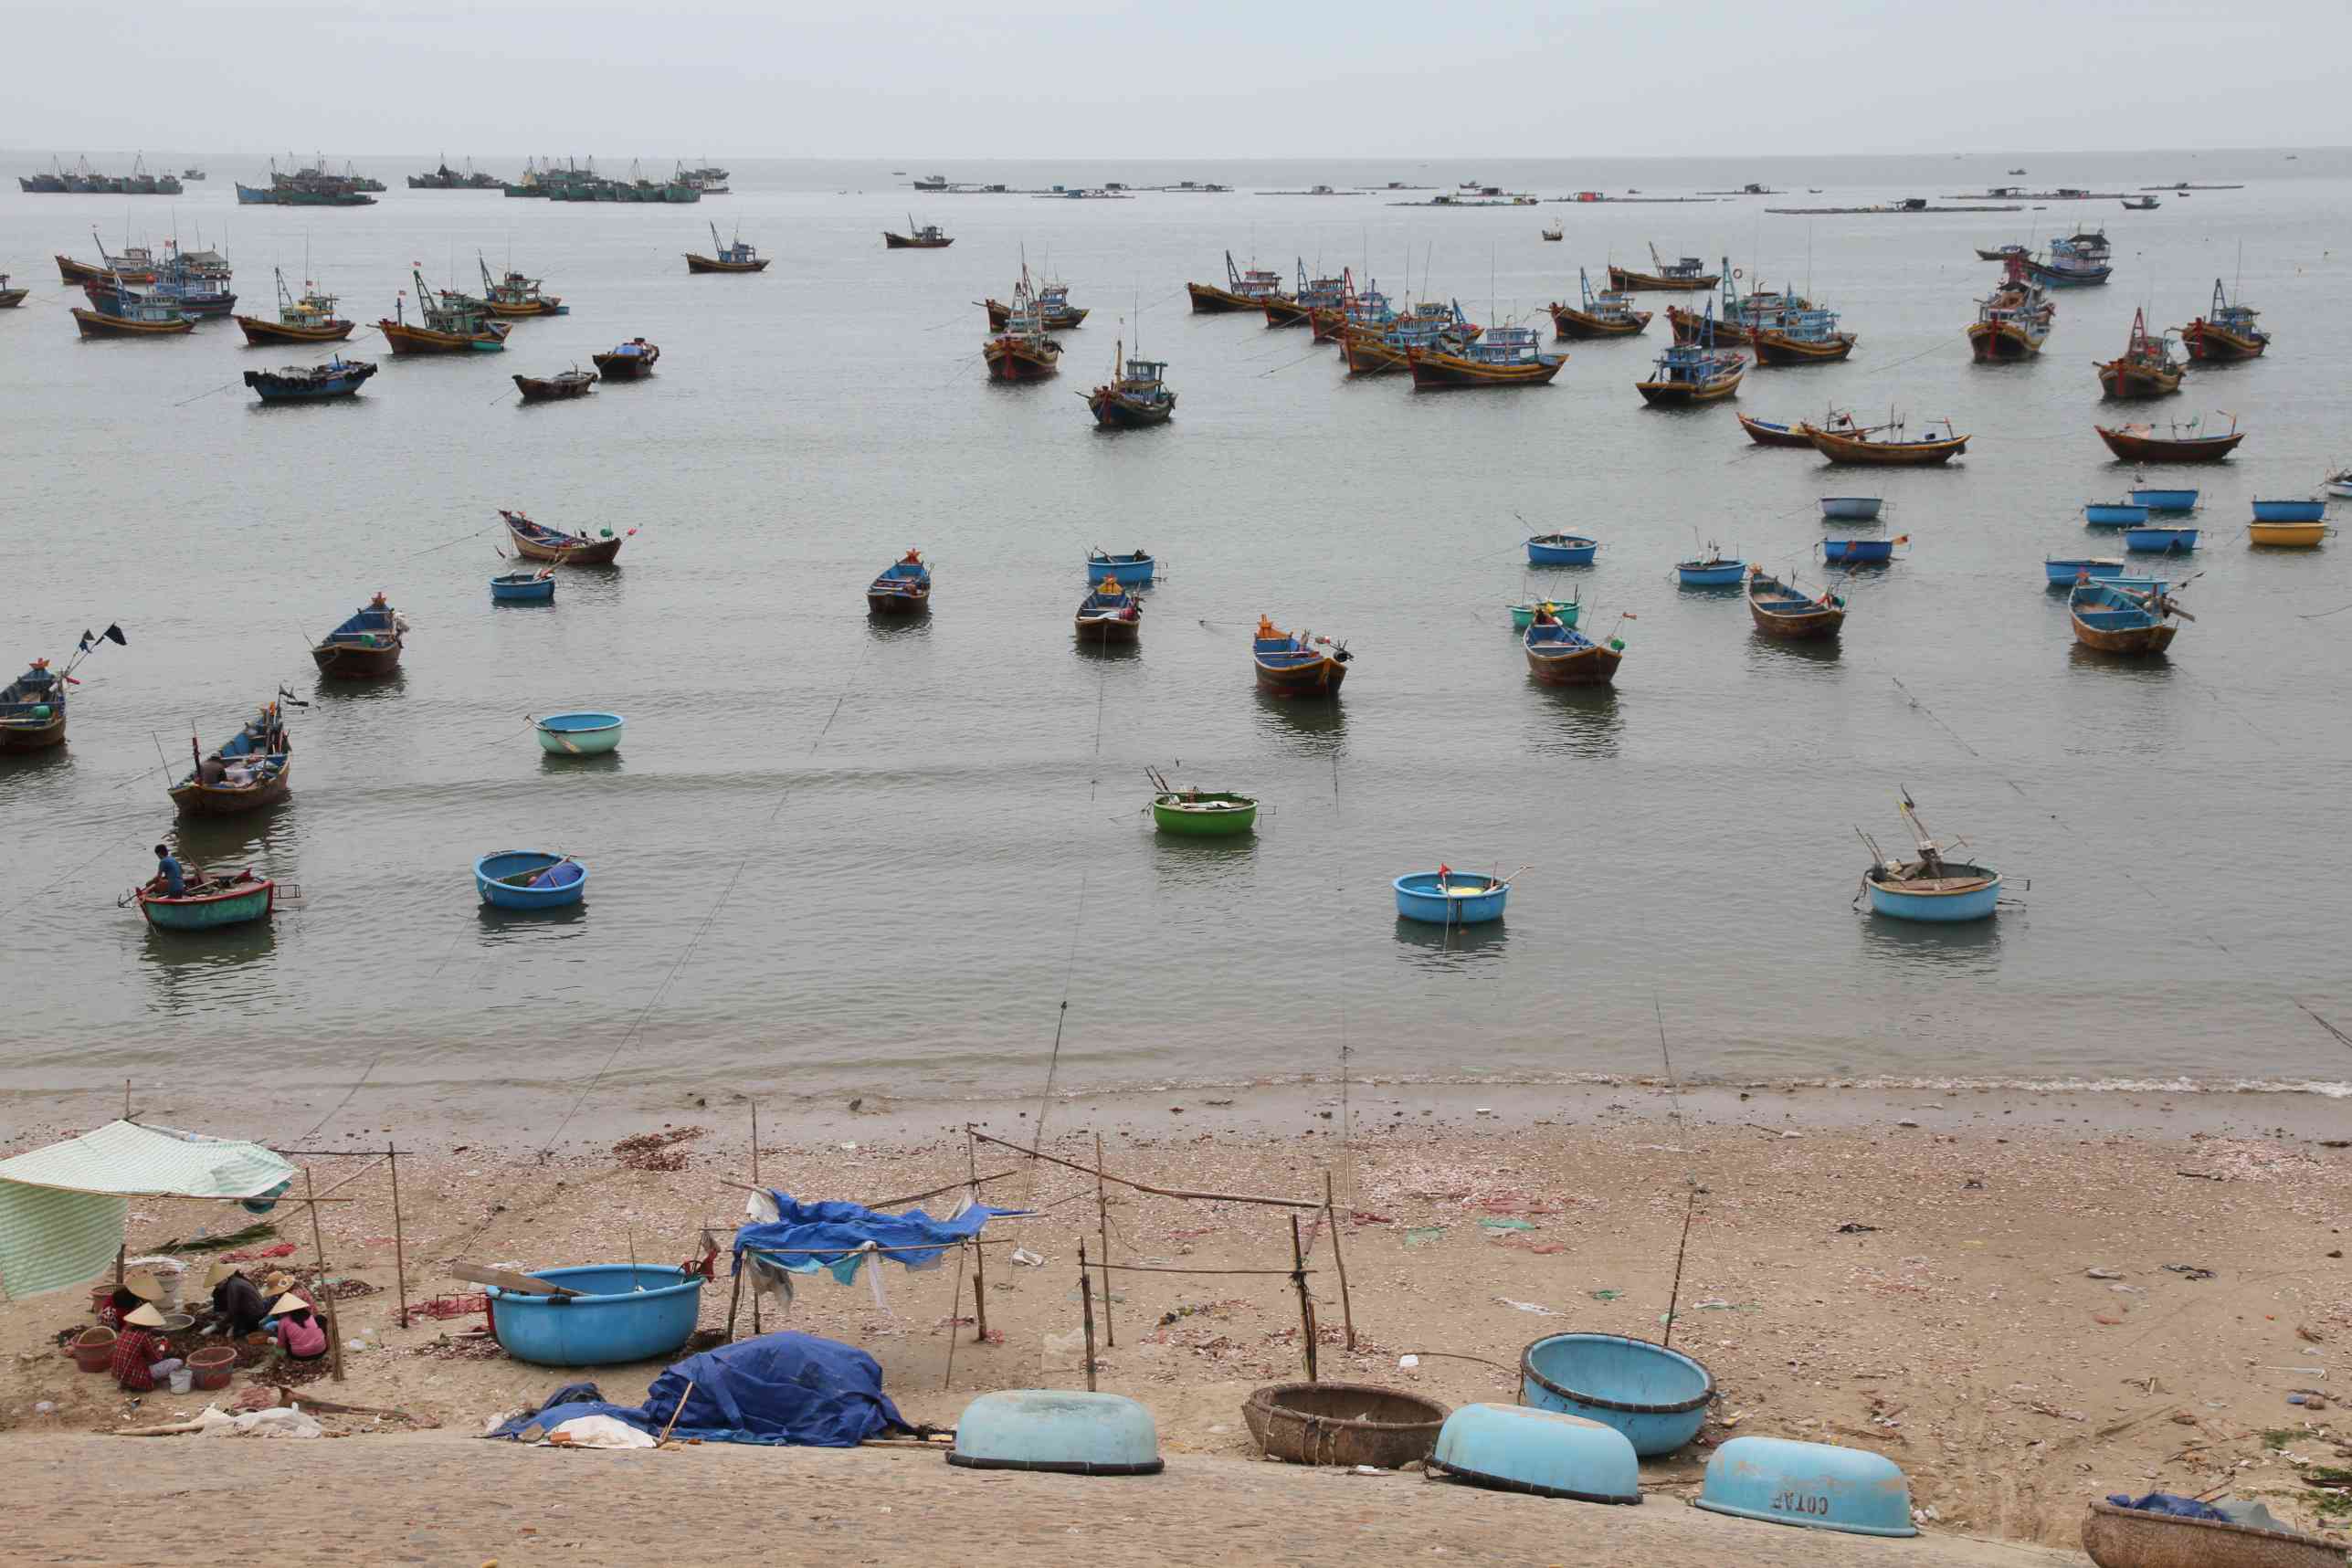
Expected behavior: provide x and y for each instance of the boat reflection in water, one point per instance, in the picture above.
(1576, 721)
(501, 926)
(1952, 949)
(573, 767)
(1317, 730)
(1428, 945)
(224, 969)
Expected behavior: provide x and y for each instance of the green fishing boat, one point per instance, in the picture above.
(1201, 813)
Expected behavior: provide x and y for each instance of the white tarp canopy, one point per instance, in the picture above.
(62, 1208)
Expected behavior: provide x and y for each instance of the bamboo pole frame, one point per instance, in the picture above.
(1102, 1219)
(1086, 1306)
(1306, 1302)
(326, 1296)
(1147, 1187)
(1339, 1262)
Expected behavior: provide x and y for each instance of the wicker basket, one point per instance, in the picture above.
(213, 1366)
(2129, 1538)
(1342, 1424)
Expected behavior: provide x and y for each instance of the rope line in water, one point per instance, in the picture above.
(1061, 1021)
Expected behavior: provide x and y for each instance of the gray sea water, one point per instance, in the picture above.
(839, 854)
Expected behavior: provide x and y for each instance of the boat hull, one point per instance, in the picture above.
(1691, 325)
(2160, 541)
(1592, 665)
(2165, 500)
(1998, 343)
(97, 324)
(2124, 379)
(625, 367)
(515, 863)
(2114, 514)
(1010, 361)
(1237, 814)
(2135, 448)
(907, 242)
(2289, 511)
(1764, 433)
(1442, 370)
(2292, 535)
(238, 904)
(2204, 341)
(405, 338)
(12, 297)
(2131, 641)
(1109, 630)
(579, 734)
(705, 263)
(260, 332)
(1727, 575)
(350, 661)
(900, 601)
(1622, 281)
(1368, 355)
(1117, 413)
(1287, 313)
(1780, 349)
(1857, 552)
(1886, 453)
(1805, 620)
(34, 735)
(1209, 299)
(1682, 393)
(1579, 555)
(1319, 677)
(552, 391)
(72, 271)
(1436, 899)
(2075, 570)
(592, 553)
(221, 800)
(1939, 907)
(1567, 322)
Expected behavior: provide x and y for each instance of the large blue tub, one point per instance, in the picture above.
(1513, 1448)
(1657, 1397)
(566, 880)
(611, 1321)
(1816, 1485)
(1056, 1429)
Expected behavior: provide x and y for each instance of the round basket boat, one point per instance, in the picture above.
(1544, 1452)
(1052, 1429)
(579, 734)
(503, 878)
(1657, 1397)
(624, 1312)
(1204, 814)
(1342, 1424)
(1819, 1485)
(1450, 898)
(2132, 1538)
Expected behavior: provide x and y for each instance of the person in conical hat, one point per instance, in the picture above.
(143, 1356)
(237, 1300)
(299, 1333)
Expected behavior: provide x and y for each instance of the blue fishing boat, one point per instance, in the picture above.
(1933, 888)
(2114, 514)
(366, 647)
(1655, 1396)
(2123, 615)
(1451, 898)
(2068, 571)
(2289, 511)
(1712, 570)
(619, 1312)
(2078, 262)
(2165, 500)
(1818, 1486)
(530, 879)
(1110, 614)
(255, 769)
(1297, 664)
(1546, 1453)
(1563, 611)
(1695, 372)
(579, 734)
(211, 904)
(1862, 551)
(524, 587)
(1132, 571)
(903, 589)
(2152, 537)
(339, 377)
(1852, 508)
(1069, 1431)
(1561, 549)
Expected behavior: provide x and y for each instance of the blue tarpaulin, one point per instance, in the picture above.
(841, 1237)
(778, 1389)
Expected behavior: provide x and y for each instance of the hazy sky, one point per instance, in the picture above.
(947, 79)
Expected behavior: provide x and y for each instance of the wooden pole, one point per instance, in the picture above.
(399, 1248)
(1086, 1306)
(756, 1179)
(979, 1254)
(326, 1302)
(1347, 1309)
(1103, 1218)
(734, 1300)
(1306, 1306)
(674, 1414)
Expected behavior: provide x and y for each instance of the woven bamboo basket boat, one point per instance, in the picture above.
(1342, 1424)
(2127, 1537)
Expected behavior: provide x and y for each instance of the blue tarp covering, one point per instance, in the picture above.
(2167, 1503)
(806, 1237)
(778, 1389)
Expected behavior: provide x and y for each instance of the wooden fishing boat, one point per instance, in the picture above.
(136, 264)
(33, 710)
(1134, 569)
(2226, 331)
(1505, 356)
(536, 542)
(1369, 352)
(2079, 262)
(1297, 664)
(1242, 291)
(2002, 253)
(2013, 321)
(1766, 433)
(2141, 444)
(2114, 514)
(189, 293)
(364, 647)
(2142, 204)
(524, 587)
(902, 589)
(631, 360)
(1053, 308)
(1687, 276)
(572, 383)
(1110, 614)
(339, 377)
(1801, 337)
(2115, 617)
(926, 238)
(130, 318)
(1369, 308)
(1313, 294)
(449, 324)
(2144, 369)
(1779, 610)
(579, 734)
(1022, 352)
(516, 295)
(308, 320)
(1559, 655)
(1692, 373)
(1874, 444)
(738, 257)
(255, 769)
(1608, 314)
(10, 298)
(1933, 888)
(210, 904)
(1137, 398)
(1554, 233)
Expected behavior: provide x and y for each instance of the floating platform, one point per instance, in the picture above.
(1898, 209)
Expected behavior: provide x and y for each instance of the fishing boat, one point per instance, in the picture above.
(255, 769)
(1449, 898)
(208, 905)
(1022, 352)
(2226, 331)
(10, 298)
(33, 710)
(2114, 513)
(536, 542)
(1110, 614)
(1608, 314)
(445, 178)
(1561, 549)
(2012, 322)
(2115, 617)
(134, 318)
(902, 589)
(136, 264)
(1933, 888)
(1053, 308)
(1242, 291)
(2300, 533)
(1862, 551)
(1503, 356)
(631, 360)
(2144, 369)
(738, 257)
(579, 734)
(1712, 570)
(1297, 664)
(339, 377)
(2079, 568)
(308, 320)
(1367, 308)
(927, 237)
(364, 647)
(1687, 276)
(2157, 538)
(2002, 253)
(1554, 233)
(1564, 611)
(2080, 262)
(524, 587)
(1801, 337)
(1132, 570)
(1313, 294)
(2144, 205)
(191, 294)
(2165, 501)
(448, 324)
(1375, 352)
(1853, 509)
(1781, 610)
(572, 383)
(1137, 398)
(1559, 655)
(2289, 511)
(1692, 373)
(530, 879)
(1874, 444)
(2340, 484)
(1199, 813)
(1766, 433)
(516, 295)
(2141, 444)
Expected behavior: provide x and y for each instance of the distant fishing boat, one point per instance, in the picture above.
(1693, 372)
(1712, 570)
(2141, 444)
(1561, 549)
(1137, 398)
(1555, 232)
(2226, 331)
(631, 360)
(516, 295)
(1781, 610)
(1862, 551)
(127, 317)
(2114, 618)
(902, 589)
(927, 237)
(2013, 321)
(1687, 276)
(33, 710)
(1872, 444)
(10, 298)
(2079, 568)
(1110, 613)
(2079, 262)
(2144, 369)
(1199, 813)
(1564, 611)
(448, 323)
(1766, 433)
(2165, 501)
(1022, 352)
(1801, 337)
(1242, 291)
(210, 904)
(2002, 253)
(2144, 205)
(366, 647)
(1313, 294)
(524, 587)
(536, 542)
(1933, 888)
(1503, 356)
(1133, 570)
(308, 320)
(1559, 655)
(1297, 664)
(738, 257)
(339, 377)
(253, 770)
(572, 383)
(1608, 314)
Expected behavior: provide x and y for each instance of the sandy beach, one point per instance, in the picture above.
(2027, 1301)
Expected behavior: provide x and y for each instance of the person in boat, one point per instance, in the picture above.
(171, 878)
(299, 1333)
(142, 1354)
(239, 1301)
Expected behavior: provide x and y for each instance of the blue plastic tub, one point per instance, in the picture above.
(1452, 898)
(567, 882)
(1545, 1452)
(1852, 508)
(2066, 571)
(523, 588)
(2289, 511)
(1561, 549)
(1814, 1485)
(610, 1321)
(1050, 1429)
(1710, 574)
(2114, 515)
(2155, 538)
(1657, 1397)
(2165, 500)
(1131, 571)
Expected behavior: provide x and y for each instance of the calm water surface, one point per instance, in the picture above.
(834, 853)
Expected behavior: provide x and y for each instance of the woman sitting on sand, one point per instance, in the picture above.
(299, 1333)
